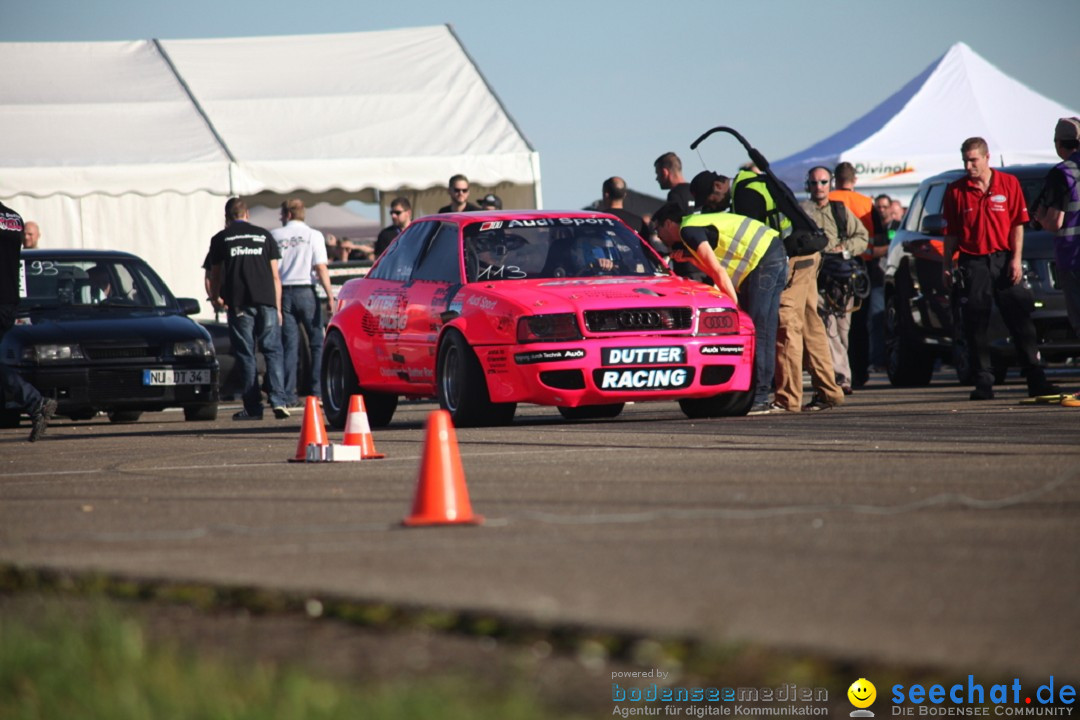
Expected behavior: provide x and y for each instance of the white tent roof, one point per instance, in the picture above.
(917, 132)
(135, 145)
(353, 113)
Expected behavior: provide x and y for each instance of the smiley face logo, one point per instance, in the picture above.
(862, 694)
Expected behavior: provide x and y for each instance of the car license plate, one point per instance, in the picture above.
(176, 377)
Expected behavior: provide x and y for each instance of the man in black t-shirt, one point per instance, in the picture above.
(669, 177)
(400, 217)
(614, 194)
(244, 280)
(458, 188)
(15, 389)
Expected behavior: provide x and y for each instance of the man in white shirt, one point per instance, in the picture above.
(303, 261)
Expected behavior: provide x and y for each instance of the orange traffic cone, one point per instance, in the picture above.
(312, 431)
(441, 495)
(358, 431)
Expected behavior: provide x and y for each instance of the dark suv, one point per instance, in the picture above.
(919, 314)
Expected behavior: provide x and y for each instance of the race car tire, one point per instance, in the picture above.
(461, 387)
(592, 412)
(339, 384)
(380, 407)
(730, 404)
(124, 416)
(201, 413)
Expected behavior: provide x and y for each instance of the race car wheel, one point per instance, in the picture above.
(339, 384)
(723, 405)
(124, 416)
(461, 387)
(592, 412)
(338, 381)
(201, 413)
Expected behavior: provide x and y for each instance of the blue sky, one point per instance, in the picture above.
(602, 88)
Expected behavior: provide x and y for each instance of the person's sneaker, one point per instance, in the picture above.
(761, 408)
(1071, 400)
(40, 418)
(981, 393)
(282, 413)
(780, 408)
(819, 403)
(245, 415)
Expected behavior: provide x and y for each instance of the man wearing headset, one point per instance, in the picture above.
(855, 239)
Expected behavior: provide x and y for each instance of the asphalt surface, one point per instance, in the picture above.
(911, 526)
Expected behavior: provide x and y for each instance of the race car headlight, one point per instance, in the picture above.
(548, 328)
(53, 353)
(193, 349)
(718, 321)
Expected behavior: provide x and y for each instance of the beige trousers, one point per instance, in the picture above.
(801, 340)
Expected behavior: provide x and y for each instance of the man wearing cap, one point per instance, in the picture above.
(1058, 211)
(740, 255)
(985, 214)
(491, 201)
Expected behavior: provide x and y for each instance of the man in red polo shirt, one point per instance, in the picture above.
(985, 213)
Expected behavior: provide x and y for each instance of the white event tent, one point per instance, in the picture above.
(136, 145)
(917, 132)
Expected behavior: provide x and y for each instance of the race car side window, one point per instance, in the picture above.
(398, 261)
(440, 262)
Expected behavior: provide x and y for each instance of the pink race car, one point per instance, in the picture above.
(572, 309)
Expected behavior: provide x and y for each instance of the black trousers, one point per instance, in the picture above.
(984, 283)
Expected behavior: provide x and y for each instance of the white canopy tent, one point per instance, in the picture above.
(136, 145)
(917, 132)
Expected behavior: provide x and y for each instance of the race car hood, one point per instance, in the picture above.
(489, 312)
(570, 294)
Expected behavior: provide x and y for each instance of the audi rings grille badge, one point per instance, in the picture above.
(636, 319)
(639, 319)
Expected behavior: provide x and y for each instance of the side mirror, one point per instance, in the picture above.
(933, 225)
(189, 306)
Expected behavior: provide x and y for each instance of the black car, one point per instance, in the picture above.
(99, 331)
(919, 312)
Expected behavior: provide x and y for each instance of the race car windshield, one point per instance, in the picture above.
(555, 248)
(91, 285)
